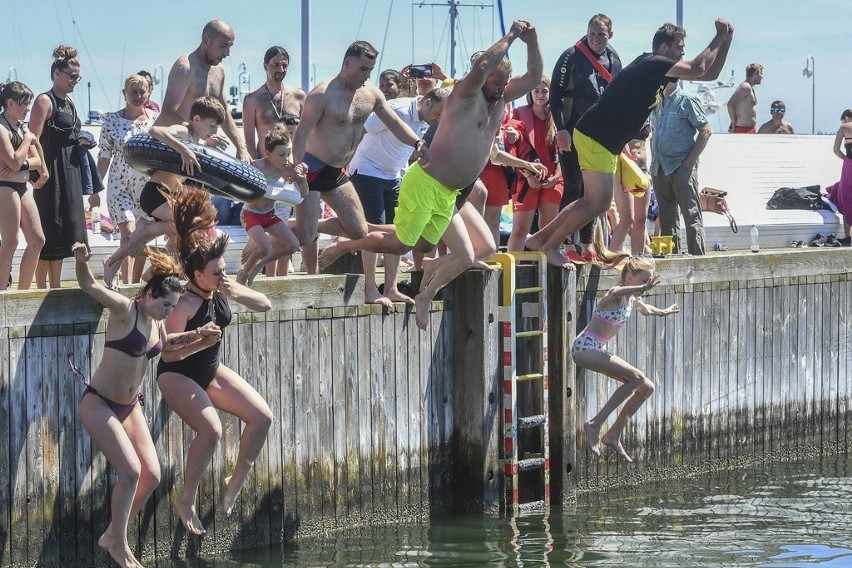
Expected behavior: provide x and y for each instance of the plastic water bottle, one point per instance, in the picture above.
(96, 220)
(755, 239)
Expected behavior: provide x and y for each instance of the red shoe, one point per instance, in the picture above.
(574, 257)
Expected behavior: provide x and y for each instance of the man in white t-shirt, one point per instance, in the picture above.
(376, 172)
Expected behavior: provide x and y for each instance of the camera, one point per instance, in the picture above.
(418, 71)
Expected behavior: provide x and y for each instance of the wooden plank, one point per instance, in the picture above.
(90, 463)
(340, 394)
(365, 411)
(6, 372)
(774, 338)
(831, 358)
(38, 349)
(67, 415)
(289, 468)
(324, 455)
(402, 416)
(721, 385)
(17, 447)
(304, 417)
(390, 463)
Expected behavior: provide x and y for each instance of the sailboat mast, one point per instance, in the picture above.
(306, 45)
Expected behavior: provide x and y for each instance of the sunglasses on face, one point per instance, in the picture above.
(71, 76)
(289, 120)
(778, 109)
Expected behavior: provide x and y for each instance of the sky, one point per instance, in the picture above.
(117, 38)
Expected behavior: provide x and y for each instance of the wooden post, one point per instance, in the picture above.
(476, 392)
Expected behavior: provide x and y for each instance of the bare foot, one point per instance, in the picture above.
(482, 265)
(593, 437)
(555, 258)
(429, 269)
(331, 253)
(119, 550)
(395, 295)
(421, 311)
(373, 297)
(111, 274)
(615, 444)
(231, 494)
(189, 517)
(533, 242)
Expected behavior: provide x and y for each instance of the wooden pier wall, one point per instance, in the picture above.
(757, 362)
(375, 420)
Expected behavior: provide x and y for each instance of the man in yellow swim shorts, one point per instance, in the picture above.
(604, 130)
(459, 152)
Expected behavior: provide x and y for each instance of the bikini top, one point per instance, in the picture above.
(617, 317)
(16, 137)
(135, 343)
(848, 146)
(215, 309)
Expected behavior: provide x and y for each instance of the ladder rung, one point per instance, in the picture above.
(530, 377)
(532, 421)
(532, 507)
(530, 464)
(532, 333)
(533, 290)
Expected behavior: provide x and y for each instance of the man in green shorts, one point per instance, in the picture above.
(427, 211)
(604, 130)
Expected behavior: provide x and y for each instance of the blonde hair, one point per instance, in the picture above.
(137, 79)
(636, 264)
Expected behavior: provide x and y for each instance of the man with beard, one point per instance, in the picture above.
(427, 209)
(200, 74)
(272, 103)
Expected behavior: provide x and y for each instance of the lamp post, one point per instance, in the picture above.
(810, 71)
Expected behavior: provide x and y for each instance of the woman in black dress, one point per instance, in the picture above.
(55, 122)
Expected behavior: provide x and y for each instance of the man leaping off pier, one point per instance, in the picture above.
(460, 149)
(603, 131)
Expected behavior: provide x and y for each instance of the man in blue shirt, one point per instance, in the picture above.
(674, 168)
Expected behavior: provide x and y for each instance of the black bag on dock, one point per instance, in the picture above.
(805, 198)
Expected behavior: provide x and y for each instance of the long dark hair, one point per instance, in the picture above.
(194, 215)
(165, 274)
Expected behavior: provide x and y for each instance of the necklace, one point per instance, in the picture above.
(278, 112)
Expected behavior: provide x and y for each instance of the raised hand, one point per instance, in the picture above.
(81, 252)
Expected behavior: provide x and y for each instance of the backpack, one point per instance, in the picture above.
(805, 198)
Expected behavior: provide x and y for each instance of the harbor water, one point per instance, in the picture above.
(770, 515)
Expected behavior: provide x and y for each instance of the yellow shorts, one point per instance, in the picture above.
(425, 207)
(591, 155)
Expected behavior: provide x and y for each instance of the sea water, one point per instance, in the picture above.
(771, 515)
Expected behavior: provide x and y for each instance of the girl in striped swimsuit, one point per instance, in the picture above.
(589, 351)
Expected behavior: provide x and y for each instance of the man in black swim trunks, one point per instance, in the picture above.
(328, 134)
(609, 124)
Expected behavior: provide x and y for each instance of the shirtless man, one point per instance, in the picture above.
(331, 126)
(200, 74)
(776, 124)
(462, 145)
(275, 103)
(609, 124)
(742, 104)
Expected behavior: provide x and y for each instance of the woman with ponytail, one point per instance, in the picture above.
(192, 380)
(110, 408)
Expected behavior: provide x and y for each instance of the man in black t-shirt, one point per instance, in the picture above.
(609, 124)
(577, 84)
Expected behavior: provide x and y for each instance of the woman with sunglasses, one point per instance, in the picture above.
(54, 121)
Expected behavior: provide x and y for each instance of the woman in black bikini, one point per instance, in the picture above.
(192, 379)
(110, 408)
(19, 153)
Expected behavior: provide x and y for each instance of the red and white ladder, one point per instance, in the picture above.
(528, 304)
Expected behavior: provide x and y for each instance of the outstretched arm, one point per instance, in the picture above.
(86, 280)
(710, 60)
(650, 310)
